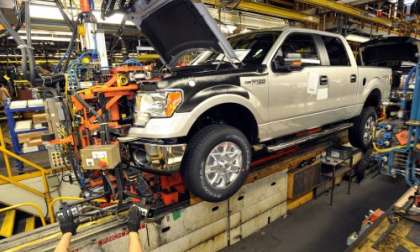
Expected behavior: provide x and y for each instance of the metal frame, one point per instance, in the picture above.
(33, 205)
(15, 180)
(11, 123)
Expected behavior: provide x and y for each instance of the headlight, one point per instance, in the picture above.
(157, 104)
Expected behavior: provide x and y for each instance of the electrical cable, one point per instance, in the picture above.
(118, 38)
(73, 28)
(88, 106)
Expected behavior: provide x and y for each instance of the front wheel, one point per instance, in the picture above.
(217, 162)
(361, 134)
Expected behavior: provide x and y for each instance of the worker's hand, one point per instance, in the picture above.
(134, 219)
(66, 220)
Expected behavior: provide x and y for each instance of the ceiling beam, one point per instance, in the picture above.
(348, 10)
(269, 10)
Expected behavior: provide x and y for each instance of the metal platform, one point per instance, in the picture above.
(198, 226)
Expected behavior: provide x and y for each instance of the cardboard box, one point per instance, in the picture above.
(39, 118)
(35, 142)
(97, 157)
(27, 137)
(23, 125)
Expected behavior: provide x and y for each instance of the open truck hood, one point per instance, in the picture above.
(176, 26)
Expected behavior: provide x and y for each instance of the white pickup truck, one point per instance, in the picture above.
(250, 89)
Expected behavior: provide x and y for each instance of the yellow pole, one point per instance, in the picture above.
(37, 208)
(47, 195)
(5, 157)
(51, 205)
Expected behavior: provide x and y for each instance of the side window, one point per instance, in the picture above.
(336, 51)
(303, 44)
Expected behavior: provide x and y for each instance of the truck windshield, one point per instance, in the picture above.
(250, 48)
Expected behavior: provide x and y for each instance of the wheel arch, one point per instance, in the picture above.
(374, 100)
(232, 113)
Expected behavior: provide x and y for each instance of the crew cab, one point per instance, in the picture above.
(247, 90)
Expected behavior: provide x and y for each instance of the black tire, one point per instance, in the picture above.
(356, 133)
(199, 148)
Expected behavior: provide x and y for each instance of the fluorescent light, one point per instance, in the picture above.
(228, 29)
(357, 38)
(46, 38)
(409, 2)
(53, 13)
(44, 32)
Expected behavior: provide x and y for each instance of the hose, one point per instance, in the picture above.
(76, 169)
(85, 104)
(89, 107)
(385, 150)
(73, 28)
(118, 38)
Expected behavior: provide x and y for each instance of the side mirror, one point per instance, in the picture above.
(292, 62)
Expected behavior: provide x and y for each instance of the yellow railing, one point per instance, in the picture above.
(10, 178)
(30, 204)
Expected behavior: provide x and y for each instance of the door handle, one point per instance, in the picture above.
(353, 78)
(323, 80)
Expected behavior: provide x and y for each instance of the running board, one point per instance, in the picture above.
(282, 144)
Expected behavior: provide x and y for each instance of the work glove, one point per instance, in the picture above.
(66, 220)
(134, 219)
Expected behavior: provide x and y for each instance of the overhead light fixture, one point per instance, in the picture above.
(228, 29)
(409, 2)
(39, 12)
(357, 38)
(47, 38)
(45, 32)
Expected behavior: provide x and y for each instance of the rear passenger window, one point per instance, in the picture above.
(336, 51)
(303, 44)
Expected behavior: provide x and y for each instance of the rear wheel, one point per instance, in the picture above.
(217, 162)
(361, 134)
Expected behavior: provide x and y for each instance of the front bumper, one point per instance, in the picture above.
(157, 158)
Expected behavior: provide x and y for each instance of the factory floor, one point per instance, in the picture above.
(317, 226)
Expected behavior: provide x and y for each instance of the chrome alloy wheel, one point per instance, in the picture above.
(368, 129)
(223, 165)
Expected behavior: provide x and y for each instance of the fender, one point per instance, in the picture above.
(210, 97)
(380, 83)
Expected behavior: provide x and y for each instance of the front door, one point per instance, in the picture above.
(289, 91)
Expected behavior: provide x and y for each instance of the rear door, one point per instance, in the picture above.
(342, 72)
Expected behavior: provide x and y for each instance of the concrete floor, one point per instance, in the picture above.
(317, 226)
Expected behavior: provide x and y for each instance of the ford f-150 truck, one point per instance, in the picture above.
(248, 90)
